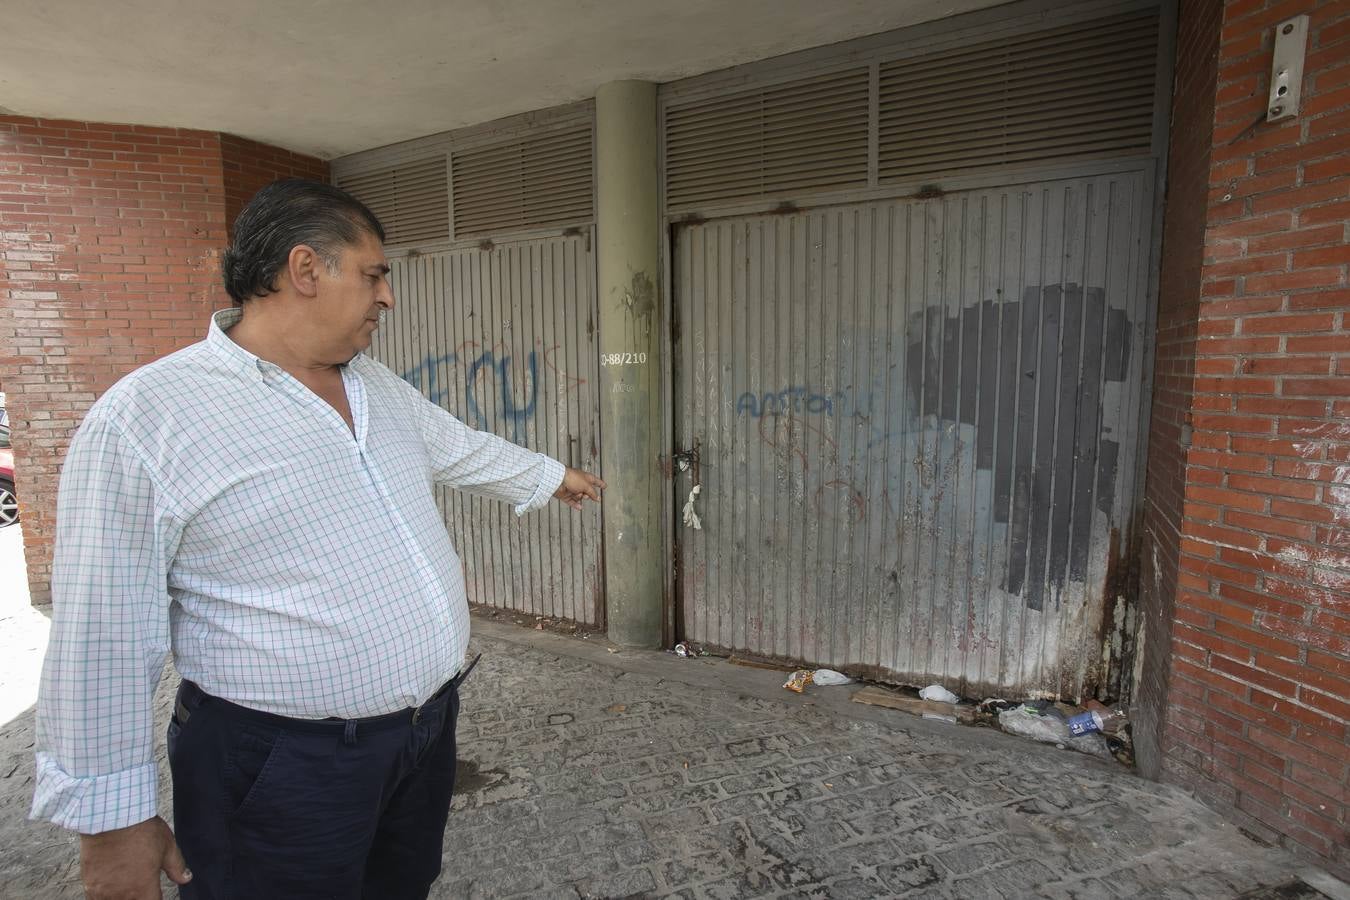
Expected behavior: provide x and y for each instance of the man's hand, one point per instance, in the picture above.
(125, 864)
(577, 484)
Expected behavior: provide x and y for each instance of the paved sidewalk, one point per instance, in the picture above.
(587, 773)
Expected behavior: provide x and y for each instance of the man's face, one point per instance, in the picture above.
(350, 301)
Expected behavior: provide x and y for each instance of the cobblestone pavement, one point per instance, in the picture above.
(589, 773)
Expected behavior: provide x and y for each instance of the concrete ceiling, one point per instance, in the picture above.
(330, 77)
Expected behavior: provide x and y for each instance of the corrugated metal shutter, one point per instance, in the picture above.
(917, 431)
(806, 135)
(1080, 91)
(412, 200)
(531, 182)
(502, 339)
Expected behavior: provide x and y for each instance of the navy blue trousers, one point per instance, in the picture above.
(271, 807)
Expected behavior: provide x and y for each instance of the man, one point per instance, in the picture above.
(260, 504)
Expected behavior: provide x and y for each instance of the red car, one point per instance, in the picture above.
(9, 502)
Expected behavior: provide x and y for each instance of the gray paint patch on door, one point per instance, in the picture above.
(1039, 362)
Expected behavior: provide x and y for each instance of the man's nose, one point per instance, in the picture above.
(385, 297)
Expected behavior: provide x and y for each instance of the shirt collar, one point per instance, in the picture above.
(225, 347)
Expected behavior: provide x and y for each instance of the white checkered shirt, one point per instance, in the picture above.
(212, 505)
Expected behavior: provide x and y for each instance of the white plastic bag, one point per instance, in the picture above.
(690, 517)
(1049, 730)
(830, 676)
(1024, 722)
(938, 694)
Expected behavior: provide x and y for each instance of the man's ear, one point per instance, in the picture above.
(302, 267)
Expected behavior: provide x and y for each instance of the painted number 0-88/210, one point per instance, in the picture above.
(623, 359)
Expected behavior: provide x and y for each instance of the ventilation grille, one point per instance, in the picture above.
(529, 183)
(411, 200)
(808, 135)
(1079, 91)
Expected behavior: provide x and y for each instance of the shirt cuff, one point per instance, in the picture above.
(95, 803)
(550, 479)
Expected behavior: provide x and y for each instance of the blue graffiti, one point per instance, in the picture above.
(845, 404)
(513, 415)
(792, 399)
(798, 400)
(423, 376)
(426, 377)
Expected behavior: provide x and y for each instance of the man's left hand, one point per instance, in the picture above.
(578, 484)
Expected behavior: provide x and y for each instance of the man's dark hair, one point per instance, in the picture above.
(280, 216)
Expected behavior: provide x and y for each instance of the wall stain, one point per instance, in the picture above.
(639, 300)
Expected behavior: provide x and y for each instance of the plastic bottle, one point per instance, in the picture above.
(1094, 720)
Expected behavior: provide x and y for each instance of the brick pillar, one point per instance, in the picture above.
(1183, 251)
(1259, 671)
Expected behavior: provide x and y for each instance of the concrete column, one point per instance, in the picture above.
(628, 259)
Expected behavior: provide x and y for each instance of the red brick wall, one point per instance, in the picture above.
(1260, 673)
(1183, 251)
(250, 166)
(109, 247)
(110, 242)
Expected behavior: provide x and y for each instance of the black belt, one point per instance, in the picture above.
(190, 696)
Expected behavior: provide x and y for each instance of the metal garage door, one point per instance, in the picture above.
(917, 424)
(503, 338)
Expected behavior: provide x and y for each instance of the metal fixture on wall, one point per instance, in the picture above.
(1286, 72)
